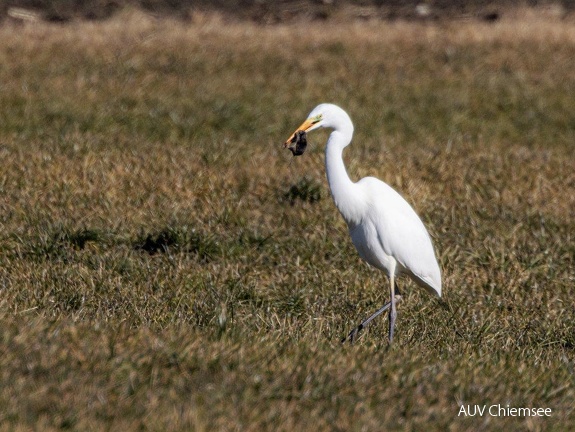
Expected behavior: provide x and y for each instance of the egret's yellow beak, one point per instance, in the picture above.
(305, 126)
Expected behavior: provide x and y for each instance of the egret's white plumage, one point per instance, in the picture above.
(384, 228)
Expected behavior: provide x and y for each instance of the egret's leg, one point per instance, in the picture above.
(392, 310)
(352, 334)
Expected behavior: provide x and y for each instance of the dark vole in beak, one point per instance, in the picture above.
(298, 143)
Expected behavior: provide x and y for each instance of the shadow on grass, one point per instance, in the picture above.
(306, 190)
(180, 239)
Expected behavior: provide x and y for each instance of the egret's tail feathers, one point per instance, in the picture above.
(432, 286)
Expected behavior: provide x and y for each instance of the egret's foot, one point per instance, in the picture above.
(352, 334)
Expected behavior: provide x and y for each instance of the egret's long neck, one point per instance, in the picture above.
(346, 193)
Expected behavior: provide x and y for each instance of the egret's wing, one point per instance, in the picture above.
(402, 235)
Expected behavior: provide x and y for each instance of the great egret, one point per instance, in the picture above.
(384, 228)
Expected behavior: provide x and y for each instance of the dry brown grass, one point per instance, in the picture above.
(165, 266)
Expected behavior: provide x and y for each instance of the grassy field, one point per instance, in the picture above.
(166, 265)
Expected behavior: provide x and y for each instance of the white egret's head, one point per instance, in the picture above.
(324, 115)
(314, 121)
